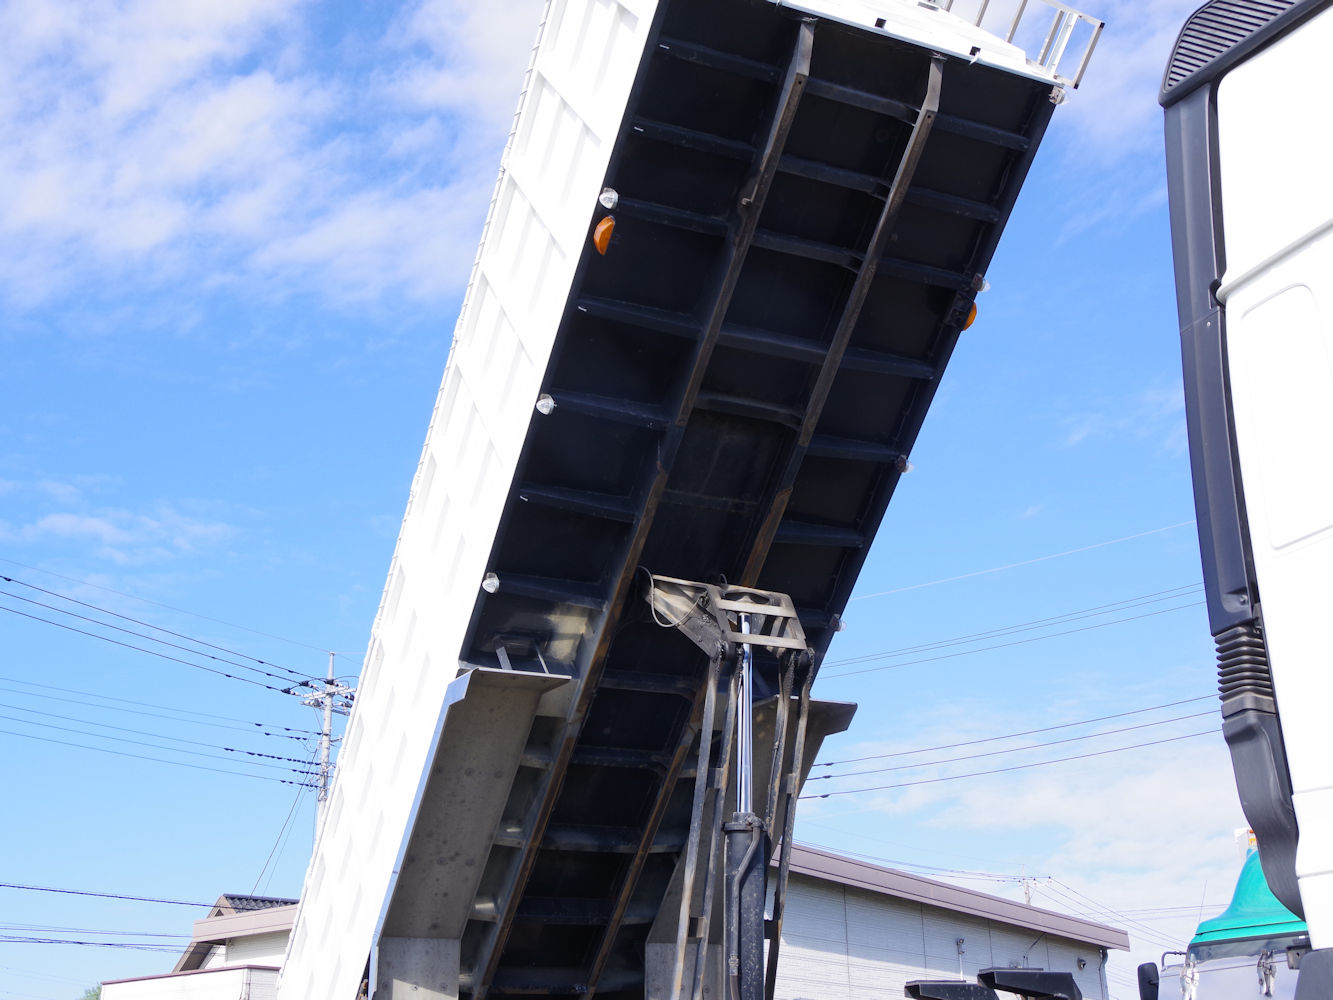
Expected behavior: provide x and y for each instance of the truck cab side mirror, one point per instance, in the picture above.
(1149, 981)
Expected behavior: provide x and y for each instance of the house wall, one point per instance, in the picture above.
(257, 949)
(840, 943)
(217, 984)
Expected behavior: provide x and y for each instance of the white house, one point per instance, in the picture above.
(234, 954)
(852, 931)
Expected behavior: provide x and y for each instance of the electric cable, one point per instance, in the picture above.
(1025, 562)
(152, 715)
(150, 652)
(57, 929)
(16, 939)
(296, 801)
(300, 682)
(1016, 767)
(167, 708)
(1025, 732)
(159, 604)
(158, 760)
(157, 628)
(101, 895)
(155, 746)
(999, 753)
(1125, 604)
(1016, 642)
(140, 732)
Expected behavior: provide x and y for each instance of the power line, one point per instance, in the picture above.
(257, 730)
(161, 642)
(100, 895)
(1126, 604)
(156, 628)
(158, 760)
(924, 869)
(1025, 732)
(56, 929)
(1025, 562)
(144, 704)
(159, 604)
(296, 801)
(140, 732)
(1016, 642)
(1151, 933)
(16, 939)
(155, 746)
(150, 652)
(997, 753)
(1016, 767)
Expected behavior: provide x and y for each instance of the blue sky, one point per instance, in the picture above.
(235, 240)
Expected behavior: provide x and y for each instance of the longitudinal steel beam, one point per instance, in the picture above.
(780, 493)
(751, 202)
(1038, 118)
(764, 168)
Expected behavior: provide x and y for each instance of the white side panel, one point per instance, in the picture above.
(1275, 146)
(1278, 210)
(576, 92)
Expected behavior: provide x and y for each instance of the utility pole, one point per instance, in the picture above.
(334, 698)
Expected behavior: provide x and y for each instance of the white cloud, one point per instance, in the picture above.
(121, 536)
(1119, 834)
(199, 146)
(1155, 414)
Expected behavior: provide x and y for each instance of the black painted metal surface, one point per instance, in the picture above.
(736, 382)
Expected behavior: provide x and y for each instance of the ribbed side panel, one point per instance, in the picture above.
(1214, 30)
(575, 97)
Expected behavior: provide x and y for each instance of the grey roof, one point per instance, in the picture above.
(814, 863)
(244, 904)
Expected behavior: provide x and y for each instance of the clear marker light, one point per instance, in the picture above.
(545, 404)
(490, 583)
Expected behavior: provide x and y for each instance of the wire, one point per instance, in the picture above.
(1016, 642)
(1093, 612)
(998, 753)
(952, 872)
(100, 895)
(16, 939)
(159, 715)
(150, 652)
(159, 604)
(1016, 767)
(144, 704)
(53, 928)
(156, 628)
(141, 743)
(301, 679)
(140, 732)
(1026, 732)
(159, 760)
(1151, 933)
(1025, 562)
(296, 801)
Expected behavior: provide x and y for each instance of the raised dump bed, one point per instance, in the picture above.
(731, 251)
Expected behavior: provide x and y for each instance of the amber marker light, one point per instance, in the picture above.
(601, 234)
(971, 316)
